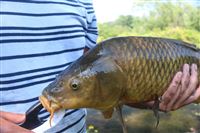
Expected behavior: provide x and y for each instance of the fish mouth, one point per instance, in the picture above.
(50, 105)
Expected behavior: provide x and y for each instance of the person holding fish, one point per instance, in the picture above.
(38, 40)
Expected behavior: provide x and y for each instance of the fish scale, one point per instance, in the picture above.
(155, 58)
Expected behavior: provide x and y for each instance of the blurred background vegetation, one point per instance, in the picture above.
(170, 19)
(167, 19)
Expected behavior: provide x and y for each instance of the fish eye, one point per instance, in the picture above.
(75, 85)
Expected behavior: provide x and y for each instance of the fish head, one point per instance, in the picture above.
(90, 82)
(69, 90)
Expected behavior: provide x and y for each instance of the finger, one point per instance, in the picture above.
(170, 105)
(193, 98)
(12, 117)
(9, 127)
(171, 91)
(185, 79)
(191, 87)
(163, 107)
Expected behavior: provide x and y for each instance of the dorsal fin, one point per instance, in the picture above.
(177, 42)
(188, 45)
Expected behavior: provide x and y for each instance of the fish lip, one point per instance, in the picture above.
(50, 105)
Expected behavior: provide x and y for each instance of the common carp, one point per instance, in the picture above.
(119, 71)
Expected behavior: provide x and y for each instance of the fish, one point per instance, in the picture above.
(120, 71)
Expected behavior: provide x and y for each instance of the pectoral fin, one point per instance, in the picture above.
(108, 113)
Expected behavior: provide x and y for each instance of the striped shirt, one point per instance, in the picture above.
(39, 39)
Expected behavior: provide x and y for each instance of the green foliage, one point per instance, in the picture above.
(195, 19)
(170, 20)
(125, 21)
(187, 35)
(92, 129)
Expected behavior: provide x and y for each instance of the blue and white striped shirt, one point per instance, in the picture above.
(38, 39)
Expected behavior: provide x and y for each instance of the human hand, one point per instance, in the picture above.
(183, 89)
(9, 123)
